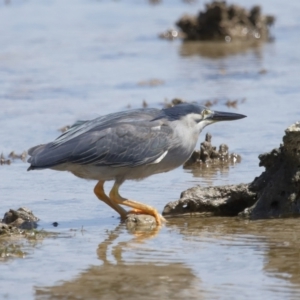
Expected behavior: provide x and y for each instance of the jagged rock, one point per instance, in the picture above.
(226, 23)
(278, 188)
(226, 200)
(210, 156)
(22, 218)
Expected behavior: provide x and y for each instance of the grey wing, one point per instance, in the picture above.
(133, 145)
(100, 123)
(122, 145)
(52, 154)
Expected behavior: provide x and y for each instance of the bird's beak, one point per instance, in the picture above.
(217, 116)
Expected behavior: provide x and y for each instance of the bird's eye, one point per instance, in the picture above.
(205, 113)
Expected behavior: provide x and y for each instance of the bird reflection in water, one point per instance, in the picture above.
(121, 278)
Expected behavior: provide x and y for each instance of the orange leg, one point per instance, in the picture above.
(140, 207)
(99, 191)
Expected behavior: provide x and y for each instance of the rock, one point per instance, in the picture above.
(226, 200)
(275, 193)
(173, 102)
(4, 161)
(64, 128)
(4, 228)
(22, 218)
(210, 156)
(278, 188)
(21, 156)
(140, 222)
(171, 34)
(13, 156)
(222, 22)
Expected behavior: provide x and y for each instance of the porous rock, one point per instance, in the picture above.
(226, 200)
(136, 222)
(278, 187)
(13, 220)
(222, 22)
(208, 155)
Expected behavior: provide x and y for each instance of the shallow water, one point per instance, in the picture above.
(63, 61)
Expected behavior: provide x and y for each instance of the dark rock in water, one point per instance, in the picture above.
(226, 200)
(222, 22)
(4, 161)
(275, 193)
(12, 156)
(173, 102)
(22, 218)
(278, 188)
(171, 34)
(210, 156)
(64, 128)
(136, 222)
(21, 156)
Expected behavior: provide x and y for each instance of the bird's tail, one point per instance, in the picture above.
(33, 152)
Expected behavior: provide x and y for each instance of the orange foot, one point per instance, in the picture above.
(135, 211)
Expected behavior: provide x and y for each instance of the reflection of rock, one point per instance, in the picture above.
(222, 22)
(208, 155)
(118, 280)
(218, 49)
(226, 200)
(283, 249)
(277, 240)
(16, 227)
(10, 250)
(151, 82)
(275, 193)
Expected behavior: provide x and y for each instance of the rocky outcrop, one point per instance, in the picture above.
(226, 200)
(222, 22)
(278, 188)
(275, 193)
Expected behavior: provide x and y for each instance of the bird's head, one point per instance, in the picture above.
(198, 116)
